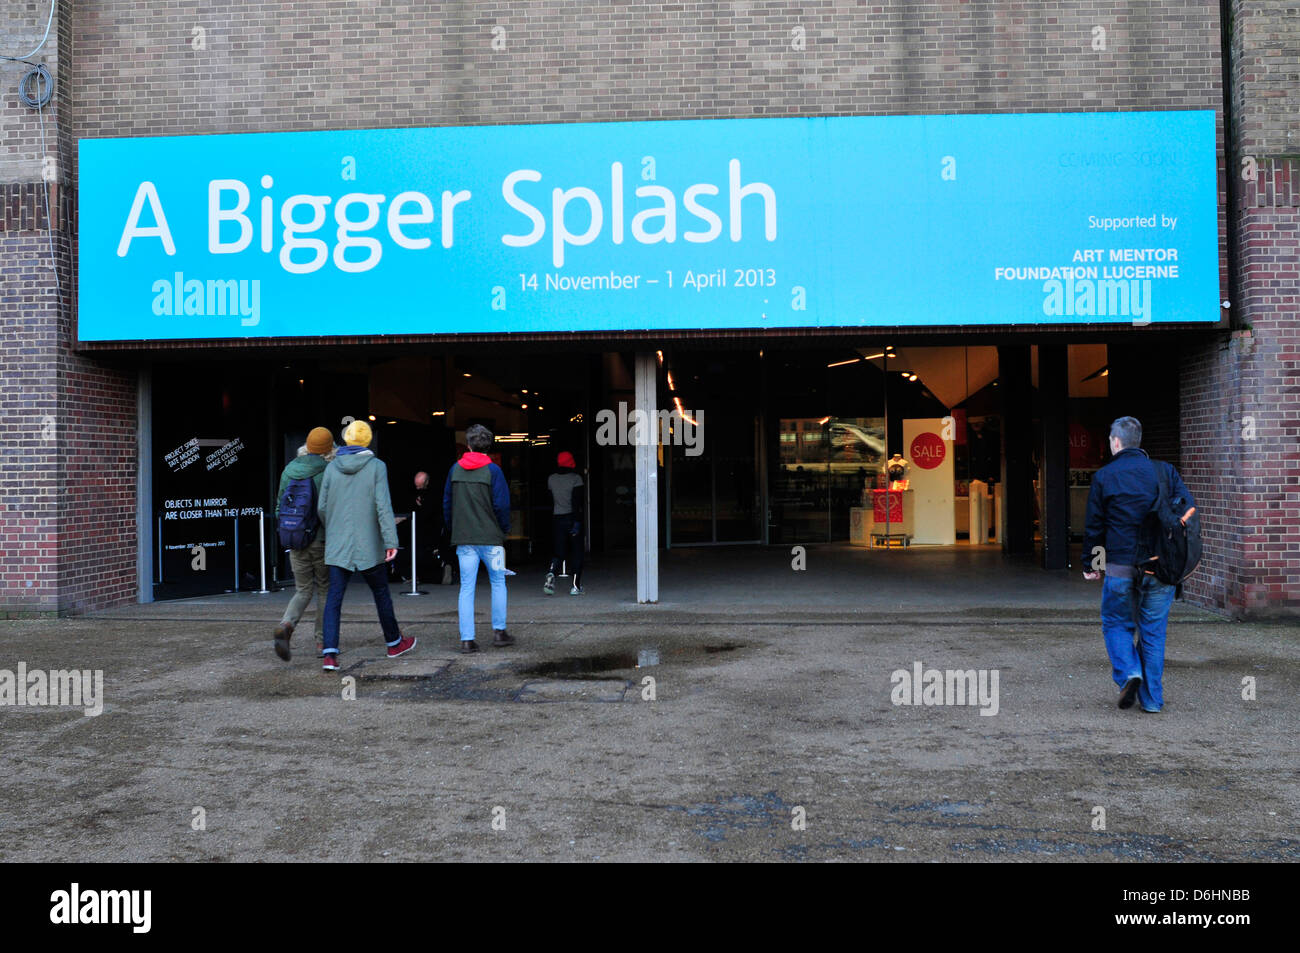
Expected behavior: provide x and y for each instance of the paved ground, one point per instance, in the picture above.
(772, 702)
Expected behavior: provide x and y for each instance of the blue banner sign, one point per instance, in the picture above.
(1078, 218)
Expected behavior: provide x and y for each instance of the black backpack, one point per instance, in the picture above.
(298, 520)
(1169, 549)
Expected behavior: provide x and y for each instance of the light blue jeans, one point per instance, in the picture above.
(1137, 607)
(494, 557)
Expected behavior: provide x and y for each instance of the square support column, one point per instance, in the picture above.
(1054, 399)
(647, 481)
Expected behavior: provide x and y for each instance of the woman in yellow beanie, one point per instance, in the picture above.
(357, 511)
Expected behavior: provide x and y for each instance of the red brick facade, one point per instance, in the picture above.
(1241, 399)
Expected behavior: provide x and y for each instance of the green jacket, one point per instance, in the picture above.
(357, 511)
(311, 465)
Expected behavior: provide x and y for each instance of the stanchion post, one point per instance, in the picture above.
(261, 551)
(415, 573)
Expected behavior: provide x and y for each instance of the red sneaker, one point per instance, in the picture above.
(331, 663)
(402, 647)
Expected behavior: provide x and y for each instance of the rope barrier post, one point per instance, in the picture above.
(236, 589)
(415, 575)
(261, 539)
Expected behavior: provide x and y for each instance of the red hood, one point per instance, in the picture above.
(472, 460)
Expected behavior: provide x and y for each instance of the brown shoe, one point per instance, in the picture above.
(502, 638)
(468, 646)
(283, 633)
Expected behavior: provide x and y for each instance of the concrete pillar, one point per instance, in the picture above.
(1017, 446)
(1054, 397)
(647, 482)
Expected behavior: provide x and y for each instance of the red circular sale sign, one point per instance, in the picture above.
(928, 450)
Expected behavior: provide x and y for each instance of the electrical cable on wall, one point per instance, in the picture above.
(35, 90)
(48, 22)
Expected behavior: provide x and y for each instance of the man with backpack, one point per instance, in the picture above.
(357, 511)
(1140, 521)
(299, 531)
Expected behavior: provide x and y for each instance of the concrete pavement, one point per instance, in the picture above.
(769, 731)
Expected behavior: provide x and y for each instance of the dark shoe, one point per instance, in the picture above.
(468, 646)
(1127, 696)
(502, 638)
(331, 663)
(402, 647)
(283, 633)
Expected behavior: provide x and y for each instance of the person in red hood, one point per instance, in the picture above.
(567, 495)
(476, 505)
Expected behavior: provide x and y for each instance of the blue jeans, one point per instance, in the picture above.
(494, 557)
(376, 578)
(1140, 606)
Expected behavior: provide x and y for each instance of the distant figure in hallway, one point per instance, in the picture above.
(568, 498)
(426, 528)
(476, 507)
(358, 515)
(301, 533)
(1133, 602)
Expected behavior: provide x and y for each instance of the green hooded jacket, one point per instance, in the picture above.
(357, 511)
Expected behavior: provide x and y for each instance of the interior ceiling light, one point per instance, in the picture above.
(466, 374)
(671, 385)
(842, 363)
(439, 413)
(372, 416)
(912, 377)
(524, 391)
(824, 421)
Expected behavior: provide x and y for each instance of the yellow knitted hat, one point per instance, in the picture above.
(358, 434)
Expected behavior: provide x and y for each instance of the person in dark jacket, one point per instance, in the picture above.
(310, 574)
(476, 507)
(357, 511)
(568, 497)
(1132, 601)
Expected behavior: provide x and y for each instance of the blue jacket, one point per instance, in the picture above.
(1120, 498)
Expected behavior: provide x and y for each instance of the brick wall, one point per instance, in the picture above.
(1242, 402)
(28, 428)
(67, 421)
(323, 64)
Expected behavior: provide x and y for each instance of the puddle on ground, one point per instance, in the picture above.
(584, 666)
